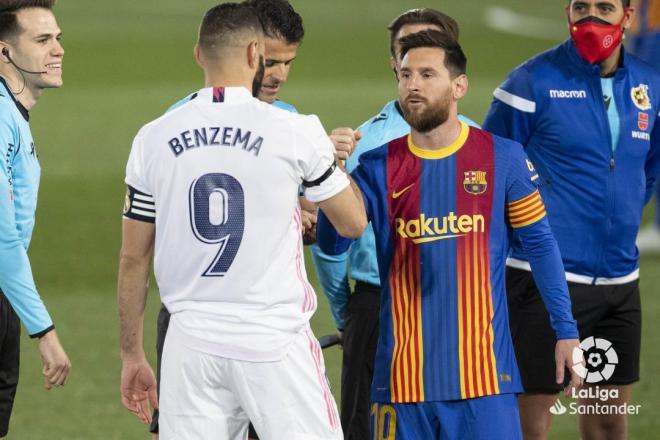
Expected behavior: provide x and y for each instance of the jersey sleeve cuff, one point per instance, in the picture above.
(567, 330)
(333, 184)
(43, 332)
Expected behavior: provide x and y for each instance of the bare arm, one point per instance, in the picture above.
(138, 384)
(346, 211)
(134, 265)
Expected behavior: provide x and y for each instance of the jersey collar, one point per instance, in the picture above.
(21, 109)
(443, 152)
(224, 95)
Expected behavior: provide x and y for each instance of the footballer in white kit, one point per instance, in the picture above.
(220, 176)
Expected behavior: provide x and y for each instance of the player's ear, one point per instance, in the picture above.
(198, 56)
(629, 15)
(253, 54)
(460, 86)
(393, 67)
(4, 50)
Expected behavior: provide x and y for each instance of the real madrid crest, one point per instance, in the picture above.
(474, 182)
(127, 202)
(640, 97)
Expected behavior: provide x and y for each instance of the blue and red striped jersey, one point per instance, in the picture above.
(442, 221)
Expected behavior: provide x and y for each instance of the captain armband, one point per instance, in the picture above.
(526, 211)
(139, 206)
(321, 179)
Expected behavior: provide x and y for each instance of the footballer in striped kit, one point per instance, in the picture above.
(443, 214)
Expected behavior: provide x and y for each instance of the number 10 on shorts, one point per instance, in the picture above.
(383, 422)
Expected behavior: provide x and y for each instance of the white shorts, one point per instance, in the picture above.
(203, 396)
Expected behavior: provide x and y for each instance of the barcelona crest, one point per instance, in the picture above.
(475, 182)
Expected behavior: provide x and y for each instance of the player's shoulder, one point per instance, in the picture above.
(181, 102)
(388, 118)
(278, 103)
(383, 115)
(504, 148)
(539, 64)
(641, 67)
(6, 109)
(388, 124)
(376, 155)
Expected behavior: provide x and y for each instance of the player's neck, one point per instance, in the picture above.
(609, 66)
(227, 79)
(24, 93)
(440, 137)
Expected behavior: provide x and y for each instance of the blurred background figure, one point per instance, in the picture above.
(646, 45)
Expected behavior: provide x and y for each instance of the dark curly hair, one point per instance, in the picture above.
(279, 19)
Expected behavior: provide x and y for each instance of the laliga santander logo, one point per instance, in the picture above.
(600, 357)
(607, 41)
(558, 408)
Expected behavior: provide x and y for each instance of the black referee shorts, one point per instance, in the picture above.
(10, 337)
(611, 312)
(359, 354)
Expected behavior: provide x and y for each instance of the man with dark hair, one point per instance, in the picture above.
(445, 367)
(217, 178)
(30, 61)
(587, 113)
(356, 314)
(283, 32)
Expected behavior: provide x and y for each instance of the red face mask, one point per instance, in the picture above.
(596, 39)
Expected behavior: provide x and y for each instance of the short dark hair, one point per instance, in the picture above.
(626, 3)
(9, 26)
(455, 60)
(279, 20)
(223, 23)
(423, 16)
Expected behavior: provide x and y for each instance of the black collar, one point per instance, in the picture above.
(398, 108)
(24, 112)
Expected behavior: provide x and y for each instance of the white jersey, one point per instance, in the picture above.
(220, 177)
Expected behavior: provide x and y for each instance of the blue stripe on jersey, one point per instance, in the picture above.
(440, 306)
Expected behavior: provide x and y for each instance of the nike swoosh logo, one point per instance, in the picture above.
(397, 194)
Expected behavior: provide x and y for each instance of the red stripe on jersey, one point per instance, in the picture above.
(477, 364)
(403, 193)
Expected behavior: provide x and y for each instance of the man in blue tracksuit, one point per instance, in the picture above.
(356, 315)
(587, 113)
(646, 45)
(30, 61)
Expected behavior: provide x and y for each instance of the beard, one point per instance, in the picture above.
(432, 116)
(258, 77)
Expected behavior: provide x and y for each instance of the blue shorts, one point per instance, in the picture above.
(490, 417)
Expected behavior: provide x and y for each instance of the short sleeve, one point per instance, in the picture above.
(321, 177)
(135, 168)
(139, 202)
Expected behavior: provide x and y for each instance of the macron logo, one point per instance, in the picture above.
(568, 94)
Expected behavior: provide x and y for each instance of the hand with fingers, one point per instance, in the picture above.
(309, 226)
(344, 139)
(563, 360)
(56, 363)
(138, 389)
